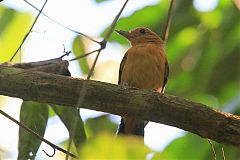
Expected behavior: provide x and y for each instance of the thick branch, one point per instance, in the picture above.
(147, 105)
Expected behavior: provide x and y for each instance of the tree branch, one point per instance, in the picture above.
(38, 136)
(197, 118)
(168, 22)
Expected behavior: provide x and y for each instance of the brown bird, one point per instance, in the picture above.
(144, 66)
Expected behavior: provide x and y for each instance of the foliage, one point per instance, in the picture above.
(100, 124)
(106, 146)
(78, 50)
(203, 54)
(192, 147)
(12, 23)
(66, 115)
(100, 1)
(35, 116)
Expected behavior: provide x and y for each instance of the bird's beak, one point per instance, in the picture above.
(125, 34)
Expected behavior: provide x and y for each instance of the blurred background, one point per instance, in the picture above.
(203, 51)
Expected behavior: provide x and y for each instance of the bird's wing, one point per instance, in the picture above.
(121, 67)
(166, 74)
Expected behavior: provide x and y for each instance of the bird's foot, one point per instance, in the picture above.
(154, 90)
(125, 85)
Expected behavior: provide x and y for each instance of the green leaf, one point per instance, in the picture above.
(6, 16)
(78, 50)
(100, 124)
(107, 146)
(187, 147)
(67, 114)
(35, 116)
(73, 149)
(100, 1)
(191, 147)
(148, 17)
(12, 23)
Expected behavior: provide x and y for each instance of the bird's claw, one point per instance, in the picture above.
(125, 85)
(154, 90)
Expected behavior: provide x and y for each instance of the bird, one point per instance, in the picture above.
(143, 66)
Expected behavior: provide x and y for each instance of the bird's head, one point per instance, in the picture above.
(140, 35)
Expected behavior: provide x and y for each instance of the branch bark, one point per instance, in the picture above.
(194, 117)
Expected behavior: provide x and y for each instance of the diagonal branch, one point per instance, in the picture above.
(37, 135)
(85, 55)
(168, 22)
(60, 24)
(197, 118)
(83, 89)
(113, 25)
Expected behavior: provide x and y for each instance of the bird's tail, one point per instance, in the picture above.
(131, 126)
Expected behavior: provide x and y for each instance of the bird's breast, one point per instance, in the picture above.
(144, 67)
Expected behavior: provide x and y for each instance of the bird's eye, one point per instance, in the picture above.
(142, 31)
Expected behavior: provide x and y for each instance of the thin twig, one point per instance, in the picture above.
(60, 24)
(106, 38)
(83, 91)
(168, 22)
(93, 66)
(54, 151)
(39, 13)
(36, 135)
(85, 55)
(113, 25)
(213, 150)
(66, 53)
